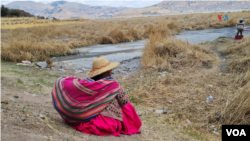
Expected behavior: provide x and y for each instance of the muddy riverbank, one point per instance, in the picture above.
(128, 54)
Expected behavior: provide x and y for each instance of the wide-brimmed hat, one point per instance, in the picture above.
(101, 65)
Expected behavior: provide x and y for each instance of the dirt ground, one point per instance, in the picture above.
(27, 112)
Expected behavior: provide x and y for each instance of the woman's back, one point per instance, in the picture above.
(96, 105)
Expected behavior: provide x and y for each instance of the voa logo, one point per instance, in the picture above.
(236, 132)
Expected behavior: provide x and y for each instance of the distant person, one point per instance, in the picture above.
(96, 105)
(240, 27)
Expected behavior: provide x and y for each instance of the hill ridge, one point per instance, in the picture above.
(79, 10)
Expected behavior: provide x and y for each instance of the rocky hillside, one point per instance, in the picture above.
(176, 7)
(65, 10)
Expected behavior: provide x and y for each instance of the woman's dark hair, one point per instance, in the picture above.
(98, 77)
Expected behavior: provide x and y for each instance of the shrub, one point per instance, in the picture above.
(15, 12)
(4, 11)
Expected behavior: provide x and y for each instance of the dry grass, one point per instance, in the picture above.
(31, 49)
(174, 27)
(238, 110)
(78, 33)
(28, 44)
(162, 29)
(188, 89)
(28, 22)
(165, 79)
(239, 66)
(187, 85)
(240, 53)
(176, 71)
(169, 53)
(239, 50)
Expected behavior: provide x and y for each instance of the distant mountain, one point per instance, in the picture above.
(29, 6)
(65, 10)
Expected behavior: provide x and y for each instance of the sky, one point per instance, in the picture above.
(113, 3)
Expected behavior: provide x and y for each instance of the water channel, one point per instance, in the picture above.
(129, 53)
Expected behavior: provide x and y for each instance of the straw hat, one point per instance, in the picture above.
(101, 65)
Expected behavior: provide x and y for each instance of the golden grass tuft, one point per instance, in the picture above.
(161, 28)
(163, 52)
(232, 22)
(238, 111)
(104, 39)
(49, 62)
(243, 78)
(132, 33)
(200, 27)
(239, 66)
(240, 51)
(118, 35)
(173, 26)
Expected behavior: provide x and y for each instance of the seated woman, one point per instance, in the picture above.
(96, 105)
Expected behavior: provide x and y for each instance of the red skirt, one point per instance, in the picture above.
(238, 37)
(102, 125)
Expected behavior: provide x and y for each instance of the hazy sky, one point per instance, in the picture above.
(117, 3)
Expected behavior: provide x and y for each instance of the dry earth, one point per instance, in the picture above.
(31, 116)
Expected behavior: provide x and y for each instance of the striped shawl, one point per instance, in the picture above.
(80, 100)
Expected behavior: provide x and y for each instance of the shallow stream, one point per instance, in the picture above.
(129, 53)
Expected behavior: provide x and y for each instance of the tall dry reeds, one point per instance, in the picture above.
(30, 49)
(114, 36)
(238, 109)
(174, 27)
(133, 34)
(161, 28)
(29, 43)
(240, 52)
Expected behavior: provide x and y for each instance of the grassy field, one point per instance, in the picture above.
(56, 40)
(28, 22)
